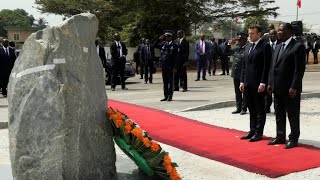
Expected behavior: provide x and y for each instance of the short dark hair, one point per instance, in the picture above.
(255, 26)
(289, 27)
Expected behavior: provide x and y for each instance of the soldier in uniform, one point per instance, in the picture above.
(168, 56)
(238, 58)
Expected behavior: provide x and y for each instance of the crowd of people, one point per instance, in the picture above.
(263, 64)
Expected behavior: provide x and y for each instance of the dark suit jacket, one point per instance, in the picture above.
(255, 67)
(183, 52)
(287, 71)
(7, 62)
(102, 55)
(115, 56)
(144, 54)
(224, 50)
(197, 50)
(316, 47)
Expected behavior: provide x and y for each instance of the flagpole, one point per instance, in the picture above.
(297, 11)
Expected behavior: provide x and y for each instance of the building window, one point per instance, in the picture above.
(16, 37)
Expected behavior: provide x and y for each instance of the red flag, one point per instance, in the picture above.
(236, 20)
(299, 3)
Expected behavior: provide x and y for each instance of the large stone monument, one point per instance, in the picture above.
(57, 106)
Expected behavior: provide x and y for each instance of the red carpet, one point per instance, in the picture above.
(221, 144)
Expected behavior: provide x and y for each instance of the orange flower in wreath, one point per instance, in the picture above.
(146, 142)
(155, 146)
(137, 132)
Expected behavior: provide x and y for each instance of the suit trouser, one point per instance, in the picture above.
(268, 101)
(4, 80)
(257, 111)
(181, 77)
(284, 104)
(137, 66)
(307, 57)
(225, 65)
(202, 64)
(148, 70)
(118, 69)
(241, 100)
(315, 56)
(167, 78)
(212, 65)
(142, 69)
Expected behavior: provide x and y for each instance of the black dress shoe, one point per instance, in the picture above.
(236, 111)
(243, 112)
(197, 80)
(277, 141)
(255, 138)
(169, 98)
(290, 145)
(184, 90)
(113, 89)
(124, 88)
(249, 135)
(204, 79)
(176, 89)
(164, 99)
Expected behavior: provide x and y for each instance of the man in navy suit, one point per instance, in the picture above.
(7, 60)
(147, 58)
(202, 54)
(254, 78)
(287, 70)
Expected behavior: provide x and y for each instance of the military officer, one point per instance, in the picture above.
(238, 58)
(168, 60)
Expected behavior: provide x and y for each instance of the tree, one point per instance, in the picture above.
(41, 22)
(17, 17)
(145, 18)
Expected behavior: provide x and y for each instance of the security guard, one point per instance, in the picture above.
(168, 61)
(238, 58)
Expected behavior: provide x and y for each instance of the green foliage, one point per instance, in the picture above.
(256, 20)
(14, 18)
(135, 19)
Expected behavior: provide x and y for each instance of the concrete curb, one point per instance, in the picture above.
(232, 103)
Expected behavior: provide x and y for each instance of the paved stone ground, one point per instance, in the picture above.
(216, 89)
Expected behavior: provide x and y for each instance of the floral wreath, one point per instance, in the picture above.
(139, 146)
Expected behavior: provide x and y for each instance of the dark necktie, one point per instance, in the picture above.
(148, 52)
(6, 51)
(251, 48)
(281, 50)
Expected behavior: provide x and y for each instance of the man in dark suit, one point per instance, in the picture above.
(287, 70)
(102, 53)
(308, 47)
(214, 52)
(202, 54)
(7, 60)
(168, 58)
(272, 41)
(147, 58)
(138, 59)
(255, 71)
(225, 50)
(118, 52)
(315, 50)
(182, 59)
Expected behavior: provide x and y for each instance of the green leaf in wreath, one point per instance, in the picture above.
(162, 175)
(137, 143)
(150, 154)
(173, 164)
(124, 135)
(156, 160)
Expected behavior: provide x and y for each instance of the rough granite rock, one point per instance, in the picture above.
(57, 106)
